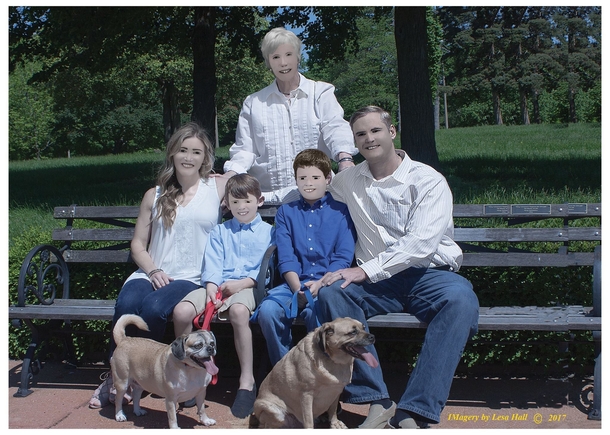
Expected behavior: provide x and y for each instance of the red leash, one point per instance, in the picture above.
(203, 321)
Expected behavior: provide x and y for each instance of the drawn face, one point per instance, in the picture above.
(190, 157)
(284, 63)
(311, 183)
(244, 209)
(373, 138)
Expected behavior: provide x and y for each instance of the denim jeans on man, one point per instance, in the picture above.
(155, 306)
(441, 298)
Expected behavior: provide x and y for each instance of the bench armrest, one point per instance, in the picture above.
(43, 272)
(266, 275)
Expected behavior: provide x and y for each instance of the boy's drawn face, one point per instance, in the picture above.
(245, 209)
(311, 183)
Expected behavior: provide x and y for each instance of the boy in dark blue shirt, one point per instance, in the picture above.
(314, 235)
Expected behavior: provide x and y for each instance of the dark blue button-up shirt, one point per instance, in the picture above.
(313, 240)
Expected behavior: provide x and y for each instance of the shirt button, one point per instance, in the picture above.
(311, 249)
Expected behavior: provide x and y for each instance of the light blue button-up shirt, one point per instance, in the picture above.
(236, 250)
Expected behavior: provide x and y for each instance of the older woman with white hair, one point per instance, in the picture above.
(291, 114)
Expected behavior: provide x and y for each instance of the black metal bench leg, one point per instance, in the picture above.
(26, 368)
(596, 412)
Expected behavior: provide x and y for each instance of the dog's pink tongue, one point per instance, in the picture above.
(211, 367)
(367, 356)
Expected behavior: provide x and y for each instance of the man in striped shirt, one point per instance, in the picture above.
(406, 260)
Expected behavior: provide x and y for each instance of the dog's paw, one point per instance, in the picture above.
(140, 412)
(338, 424)
(207, 421)
(120, 416)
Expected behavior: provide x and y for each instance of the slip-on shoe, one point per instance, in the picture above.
(378, 417)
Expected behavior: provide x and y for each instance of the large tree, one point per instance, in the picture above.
(416, 104)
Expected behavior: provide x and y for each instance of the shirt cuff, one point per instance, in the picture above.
(374, 271)
(232, 166)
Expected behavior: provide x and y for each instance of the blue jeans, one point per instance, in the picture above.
(276, 325)
(442, 299)
(155, 306)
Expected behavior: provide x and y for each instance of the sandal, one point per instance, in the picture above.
(126, 398)
(101, 396)
(105, 394)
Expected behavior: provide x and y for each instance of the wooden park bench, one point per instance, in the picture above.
(491, 235)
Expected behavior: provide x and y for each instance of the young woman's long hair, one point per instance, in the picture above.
(171, 190)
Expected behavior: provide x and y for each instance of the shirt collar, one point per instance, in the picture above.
(400, 172)
(322, 202)
(251, 226)
(303, 91)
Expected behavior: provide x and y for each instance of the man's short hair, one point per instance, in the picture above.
(386, 118)
(241, 185)
(312, 157)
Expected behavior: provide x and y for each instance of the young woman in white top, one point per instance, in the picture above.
(170, 237)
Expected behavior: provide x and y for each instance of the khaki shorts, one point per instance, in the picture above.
(244, 297)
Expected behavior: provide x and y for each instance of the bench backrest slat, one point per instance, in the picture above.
(97, 234)
(526, 259)
(101, 256)
(526, 234)
(527, 210)
(94, 212)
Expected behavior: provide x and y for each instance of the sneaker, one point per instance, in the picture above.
(378, 417)
(406, 423)
(101, 396)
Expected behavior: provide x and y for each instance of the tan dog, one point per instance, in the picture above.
(178, 372)
(309, 379)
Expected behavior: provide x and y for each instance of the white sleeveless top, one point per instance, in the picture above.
(179, 250)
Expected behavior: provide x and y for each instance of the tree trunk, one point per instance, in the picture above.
(416, 108)
(572, 105)
(536, 105)
(525, 115)
(171, 111)
(496, 107)
(204, 70)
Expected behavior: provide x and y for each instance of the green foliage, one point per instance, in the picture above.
(237, 79)
(368, 74)
(30, 115)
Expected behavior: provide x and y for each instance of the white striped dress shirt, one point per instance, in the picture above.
(403, 220)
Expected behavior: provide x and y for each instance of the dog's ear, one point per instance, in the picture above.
(178, 347)
(326, 330)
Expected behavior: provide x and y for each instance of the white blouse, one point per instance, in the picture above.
(273, 129)
(179, 250)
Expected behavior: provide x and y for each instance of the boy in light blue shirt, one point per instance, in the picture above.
(314, 235)
(233, 257)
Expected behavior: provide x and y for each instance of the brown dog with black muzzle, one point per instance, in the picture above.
(309, 379)
(178, 372)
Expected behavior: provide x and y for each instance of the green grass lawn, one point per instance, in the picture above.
(492, 164)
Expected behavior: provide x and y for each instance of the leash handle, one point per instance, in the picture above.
(203, 320)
